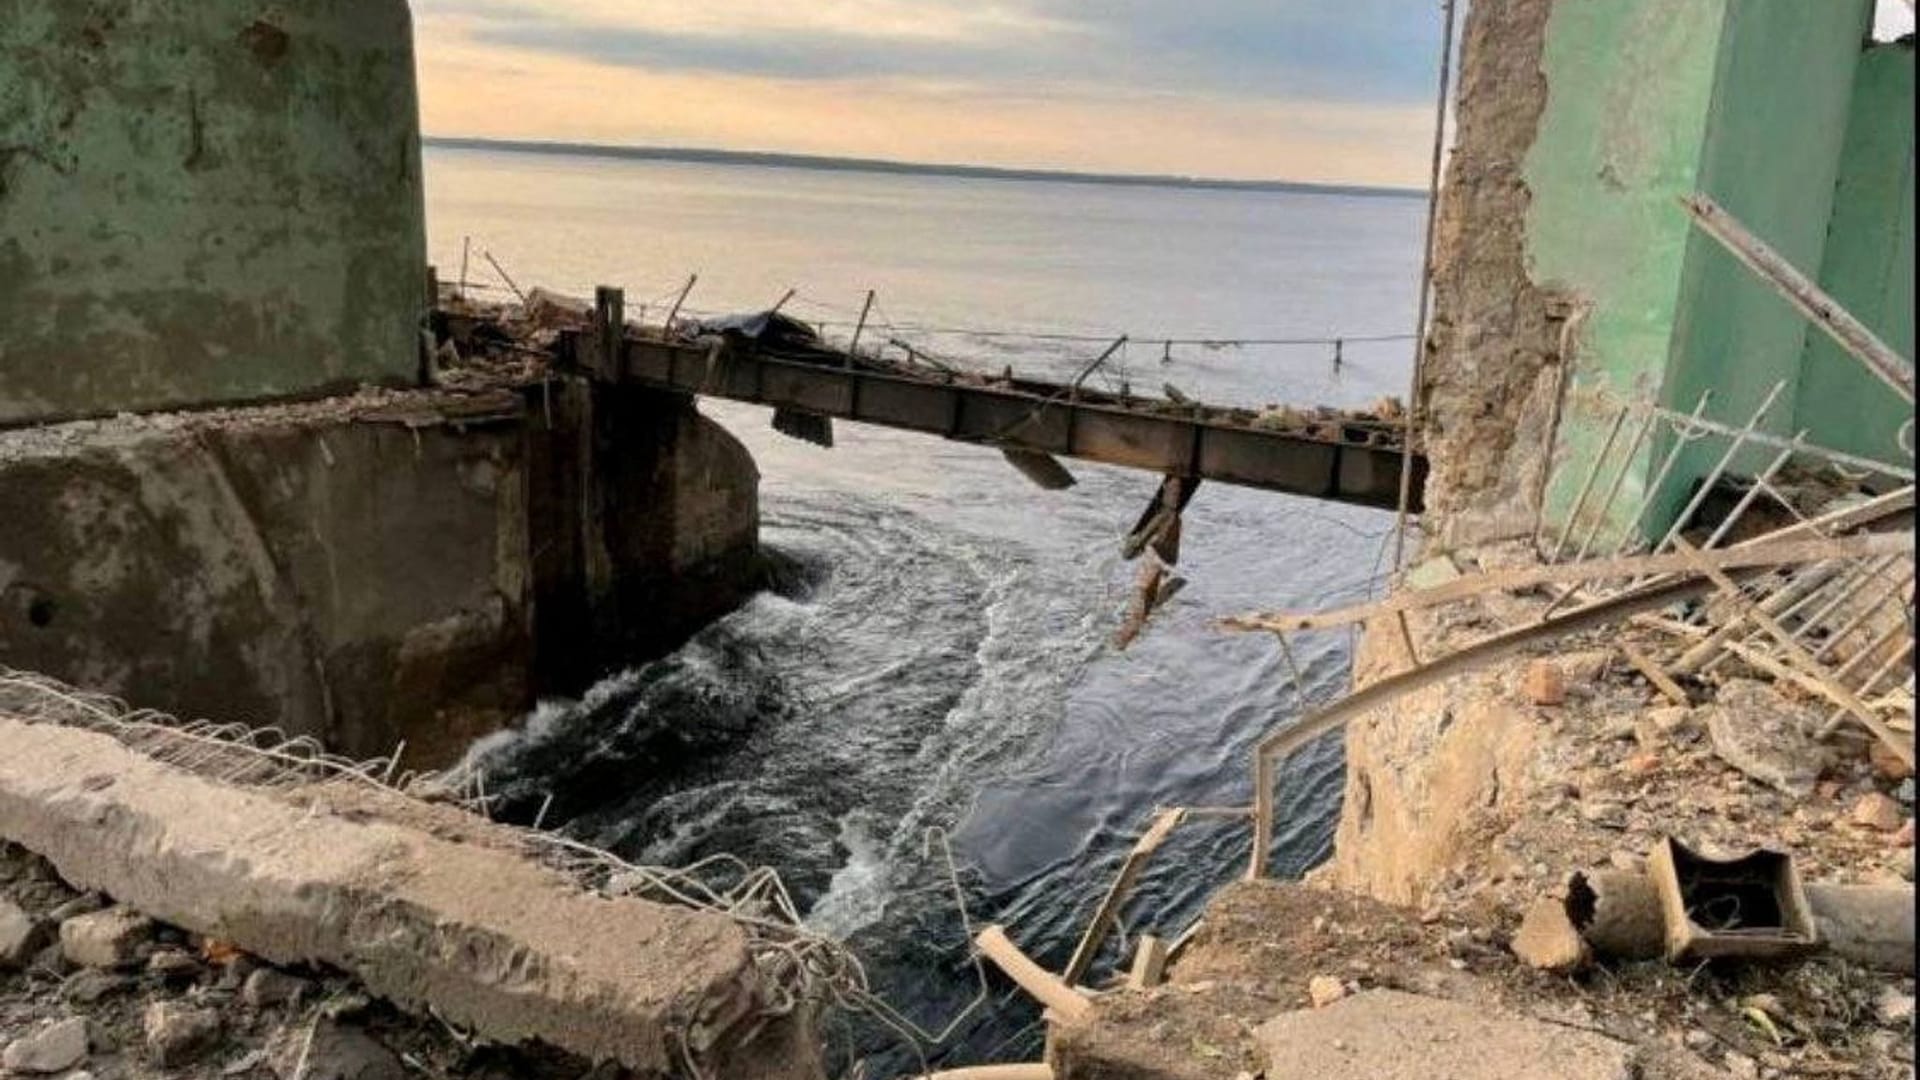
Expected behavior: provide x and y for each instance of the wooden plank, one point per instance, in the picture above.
(1103, 917)
(1149, 963)
(1039, 983)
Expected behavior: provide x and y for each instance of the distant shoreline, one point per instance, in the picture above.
(906, 168)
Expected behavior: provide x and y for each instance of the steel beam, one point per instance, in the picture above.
(1357, 471)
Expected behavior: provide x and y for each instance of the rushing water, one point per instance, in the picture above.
(936, 652)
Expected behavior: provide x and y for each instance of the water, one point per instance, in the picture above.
(937, 652)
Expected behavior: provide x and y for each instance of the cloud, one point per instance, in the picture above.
(1310, 89)
(1329, 50)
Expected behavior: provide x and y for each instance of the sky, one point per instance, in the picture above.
(1313, 90)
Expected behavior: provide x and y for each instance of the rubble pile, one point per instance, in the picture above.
(93, 991)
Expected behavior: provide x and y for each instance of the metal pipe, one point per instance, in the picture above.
(1838, 718)
(1845, 591)
(1619, 481)
(1800, 590)
(853, 347)
(678, 301)
(1860, 617)
(1836, 456)
(1753, 492)
(1680, 441)
(1719, 470)
(1822, 310)
(1074, 390)
(1586, 487)
(1405, 501)
(1871, 925)
(1038, 982)
(1600, 516)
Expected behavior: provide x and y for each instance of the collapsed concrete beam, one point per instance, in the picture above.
(485, 937)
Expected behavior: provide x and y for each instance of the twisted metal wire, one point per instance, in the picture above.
(796, 966)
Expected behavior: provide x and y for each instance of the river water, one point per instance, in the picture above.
(937, 653)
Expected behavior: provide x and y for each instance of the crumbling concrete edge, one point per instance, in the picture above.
(479, 934)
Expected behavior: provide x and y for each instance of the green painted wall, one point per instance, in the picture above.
(205, 201)
(1649, 101)
(1868, 264)
(1782, 96)
(1629, 88)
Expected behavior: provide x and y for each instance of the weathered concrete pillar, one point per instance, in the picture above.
(1569, 280)
(646, 518)
(205, 201)
(1869, 261)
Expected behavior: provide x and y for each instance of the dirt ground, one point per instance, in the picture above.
(1264, 944)
(1470, 801)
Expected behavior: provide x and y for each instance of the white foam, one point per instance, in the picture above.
(858, 893)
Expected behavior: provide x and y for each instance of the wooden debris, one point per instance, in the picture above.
(1038, 982)
(1103, 917)
(1149, 963)
(1654, 673)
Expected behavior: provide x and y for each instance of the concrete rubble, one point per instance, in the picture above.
(1766, 737)
(474, 931)
(1392, 1035)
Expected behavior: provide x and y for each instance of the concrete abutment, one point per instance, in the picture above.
(392, 567)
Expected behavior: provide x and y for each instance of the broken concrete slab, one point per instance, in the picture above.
(1391, 1035)
(481, 934)
(1766, 737)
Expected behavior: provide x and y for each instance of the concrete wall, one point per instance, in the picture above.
(1868, 264)
(1627, 112)
(205, 201)
(368, 570)
(1570, 282)
(1772, 155)
(1491, 378)
(328, 569)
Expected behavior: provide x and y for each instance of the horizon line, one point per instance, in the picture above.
(836, 163)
